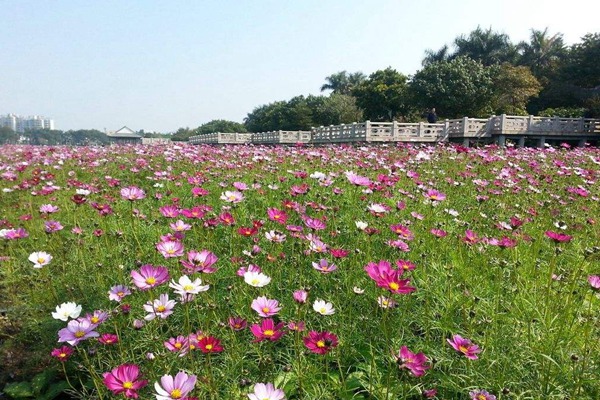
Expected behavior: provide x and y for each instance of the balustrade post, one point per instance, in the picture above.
(556, 125)
(529, 123)
(502, 123)
(395, 132)
(465, 126)
(420, 129)
(368, 130)
(582, 125)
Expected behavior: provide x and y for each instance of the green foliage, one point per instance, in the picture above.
(513, 87)
(456, 88)
(383, 96)
(183, 134)
(43, 386)
(486, 46)
(220, 125)
(583, 68)
(564, 112)
(543, 54)
(342, 82)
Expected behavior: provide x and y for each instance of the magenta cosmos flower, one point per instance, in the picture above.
(481, 395)
(202, 261)
(62, 354)
(265, 307)
(464, 346)
(132, 193)
(76, 331)
(414, 362)
(267, 330)
(124, 379)
(149, 276)
(266, 391)
(176, 388)
(320, 342)
(558, 237)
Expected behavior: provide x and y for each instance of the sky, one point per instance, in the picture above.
(162, 65)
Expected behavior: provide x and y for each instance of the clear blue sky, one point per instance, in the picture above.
(161, 65)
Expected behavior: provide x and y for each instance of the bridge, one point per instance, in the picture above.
(520, 130)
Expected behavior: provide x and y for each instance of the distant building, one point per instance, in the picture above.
(22, 124)
(125, 136)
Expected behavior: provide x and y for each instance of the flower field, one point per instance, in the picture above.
(335, 272)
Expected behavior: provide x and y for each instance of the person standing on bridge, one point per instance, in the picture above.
(432, 116)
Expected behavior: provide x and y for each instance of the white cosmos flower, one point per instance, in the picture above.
(39, 259)
(66, 310)
(82, 192)
(187, 286)
(256, 279)
(323, 308)
(361, 225)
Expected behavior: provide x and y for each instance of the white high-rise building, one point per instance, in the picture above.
(21, 124)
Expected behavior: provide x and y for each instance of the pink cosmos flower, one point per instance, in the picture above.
(414, 362)
(265, 307)
(558, 237)
(481, 395)
(434, 195)
(48, 209)
(149, 276)
(357, 179)
(179, 344)
(180, 226)
(176, 388)
(594, 281)
(232, 196)
(108, 338)
(438, 232)
(132, 193)
(202, 261)
(324, 267)
(76, 331)
(169, 211)
(470, 237)
(314, 223)
(320, 342)
(300, 296)
(266, 391)
(118, 292)
(464, 346)
(267, 330)
(170, 249)
(52, 226)
(124, 379)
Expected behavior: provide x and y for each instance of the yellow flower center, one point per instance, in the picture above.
(208, 347)
(323, 310)
(94, 320)
(79, 334)
(127, 385)
(268, 332)
(266, 309)
(120, 294)
(320, 344)
(178, 345)
(176, 394)
(41, 260)
(151, 280)
(463, 349)
(188, 288)
(62, 355)
(170, 251)
(255, 282)
(394, 286)
(161, 308)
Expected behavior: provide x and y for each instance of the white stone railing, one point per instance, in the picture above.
(463, 128)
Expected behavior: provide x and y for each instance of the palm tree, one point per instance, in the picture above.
(431, 56)
(542, 53)
(486, 46)
(342, 82)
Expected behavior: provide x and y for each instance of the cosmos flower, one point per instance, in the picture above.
(320, 342)
(232, 197)
(300, 296)
(324, 267)
(559, 237)
(481, 395)
(210, 344)
(66, 311)
(149, 276)
(185, 286)
(594, 281)
(124, 379)
(265, 307)
(464, 346)
(39, 259)
(76, 331)
(132, 193)
(161, 307)
(267, 330)
(414, 362)
(176, 388)
(62, 354)
(202, 261)
(256, 279)
(118, 292)
(324, 308)
(266, 391)
(170, 249)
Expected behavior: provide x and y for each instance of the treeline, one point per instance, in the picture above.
(80, 137)
(479, 74)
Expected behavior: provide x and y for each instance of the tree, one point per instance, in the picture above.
(486, 46)
(334, 110)
(543, 54)
(583, 66)
(513, 87)
(183, 134)
(220, 125)
(383, 96)
(456, 88)
(8, 136)
(292, 115)
(443, 54)
(342, 82)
